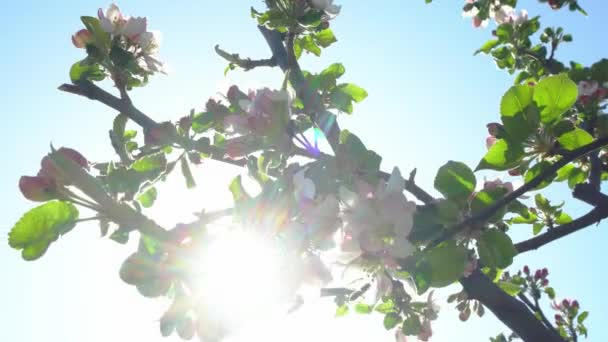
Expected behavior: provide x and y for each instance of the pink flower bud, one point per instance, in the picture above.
(493, 128)
(538, 274)
(477, 22)
(566, 303)
(545, 282)
(514, 172)
(601, 93)
(490, 141)
(37, 189)
(185, 123)
(545, 272)
(48, 169)
(558, 319)
(526, 270)
(161, 134)
(81, 38)
(575, 304)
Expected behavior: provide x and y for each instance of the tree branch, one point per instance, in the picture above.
(510, 197)
(245, 63)
(535, 308)
(507, 309)
(124, 106)
(583, 192)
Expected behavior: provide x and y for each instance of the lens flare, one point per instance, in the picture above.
(239, 277)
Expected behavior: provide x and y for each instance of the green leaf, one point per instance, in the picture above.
(575, 139)
(308, 44)
(519, 118)
(120, 235)
(550, 292)
(187, 173)
(576, 176)
(488, 46)
(447, 262)
(328, 77)
(564, 173)
(554, 95)
(342, 310)
(599, 71)
(81, 71)
(486, 198)
(149, 163)
(496, 249)
(411, 326)
(563, 218)
(535, 171)
(537, 228)
(238, 191)
(501, 156)
(325, 38)
(363, 308)
(147, 198)
(102, 38)
(41, 226)
(355, 92)
(386, 307)
(581, 318)
(391, 320)
(516, 100)
(510, 288)
(455, 180)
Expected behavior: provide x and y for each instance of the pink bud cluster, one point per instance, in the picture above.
(589, 91)
(46, 184)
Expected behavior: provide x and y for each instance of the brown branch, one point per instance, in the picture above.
(124, 106)
(536, 308)
(507, 309)
(510, 197)
(583, 192)
(245, 63)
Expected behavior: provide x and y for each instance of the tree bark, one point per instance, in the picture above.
(509, 310)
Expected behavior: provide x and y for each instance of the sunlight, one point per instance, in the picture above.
(239, 277)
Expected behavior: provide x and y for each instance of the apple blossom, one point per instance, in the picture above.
(378, 222)
(38, 189)
(262, 111)
(425, 330)
(112, 19)
(49, 170)
(327, 6)
(587, 88)
(113, 22)
(81, 38)
(400, 336)
(497, 183)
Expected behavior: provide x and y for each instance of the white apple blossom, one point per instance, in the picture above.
(327, 6)
(587, 88)
(378, 222)
(112, 21)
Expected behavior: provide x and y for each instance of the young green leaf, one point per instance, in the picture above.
(40, 227)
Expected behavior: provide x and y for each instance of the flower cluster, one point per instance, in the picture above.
(121, 46)
(49, 182)
(590, 91)
(377, 222)
(326, 6)
(502, 14)
(263, 113)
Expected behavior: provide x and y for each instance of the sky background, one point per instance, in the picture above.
(429, 102)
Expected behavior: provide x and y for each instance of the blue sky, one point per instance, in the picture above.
(429, 102)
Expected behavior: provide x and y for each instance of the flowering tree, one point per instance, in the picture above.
(319, 210)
